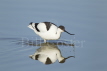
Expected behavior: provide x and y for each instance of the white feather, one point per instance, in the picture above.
(42, 27)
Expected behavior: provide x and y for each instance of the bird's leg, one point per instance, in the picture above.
(44, 41)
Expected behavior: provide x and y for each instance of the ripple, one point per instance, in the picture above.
(38, 42)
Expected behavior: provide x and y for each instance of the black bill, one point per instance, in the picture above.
(69, 33)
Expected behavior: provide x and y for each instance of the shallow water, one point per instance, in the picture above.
(86, 19)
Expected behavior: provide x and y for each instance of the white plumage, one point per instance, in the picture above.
(48, 54)
(47, 30)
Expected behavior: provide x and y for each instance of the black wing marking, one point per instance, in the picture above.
(36, 27)
(48, 25)
(48, 61)
(37, 56)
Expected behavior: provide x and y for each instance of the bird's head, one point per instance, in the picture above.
(62, 29)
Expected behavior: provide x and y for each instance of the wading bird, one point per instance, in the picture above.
(47, 30)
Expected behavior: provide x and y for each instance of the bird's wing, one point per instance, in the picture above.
(47, 26)
(42, 27)
(53, 28)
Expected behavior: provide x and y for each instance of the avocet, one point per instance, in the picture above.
(48, 30)
(48, 54)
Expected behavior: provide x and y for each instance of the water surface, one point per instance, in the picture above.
(86, 19)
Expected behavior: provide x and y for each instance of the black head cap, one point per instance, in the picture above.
(48, 61)
(62, 61)
(62, 28)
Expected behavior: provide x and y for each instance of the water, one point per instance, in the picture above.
(86, 19)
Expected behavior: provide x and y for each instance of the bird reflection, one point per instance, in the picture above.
(48, 53)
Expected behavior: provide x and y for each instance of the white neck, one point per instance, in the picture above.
(59, 56)
(58, 33)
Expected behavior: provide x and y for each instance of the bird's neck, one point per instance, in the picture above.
(58, 33)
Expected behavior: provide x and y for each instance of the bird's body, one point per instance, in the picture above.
(48, 54)
(47, 30)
